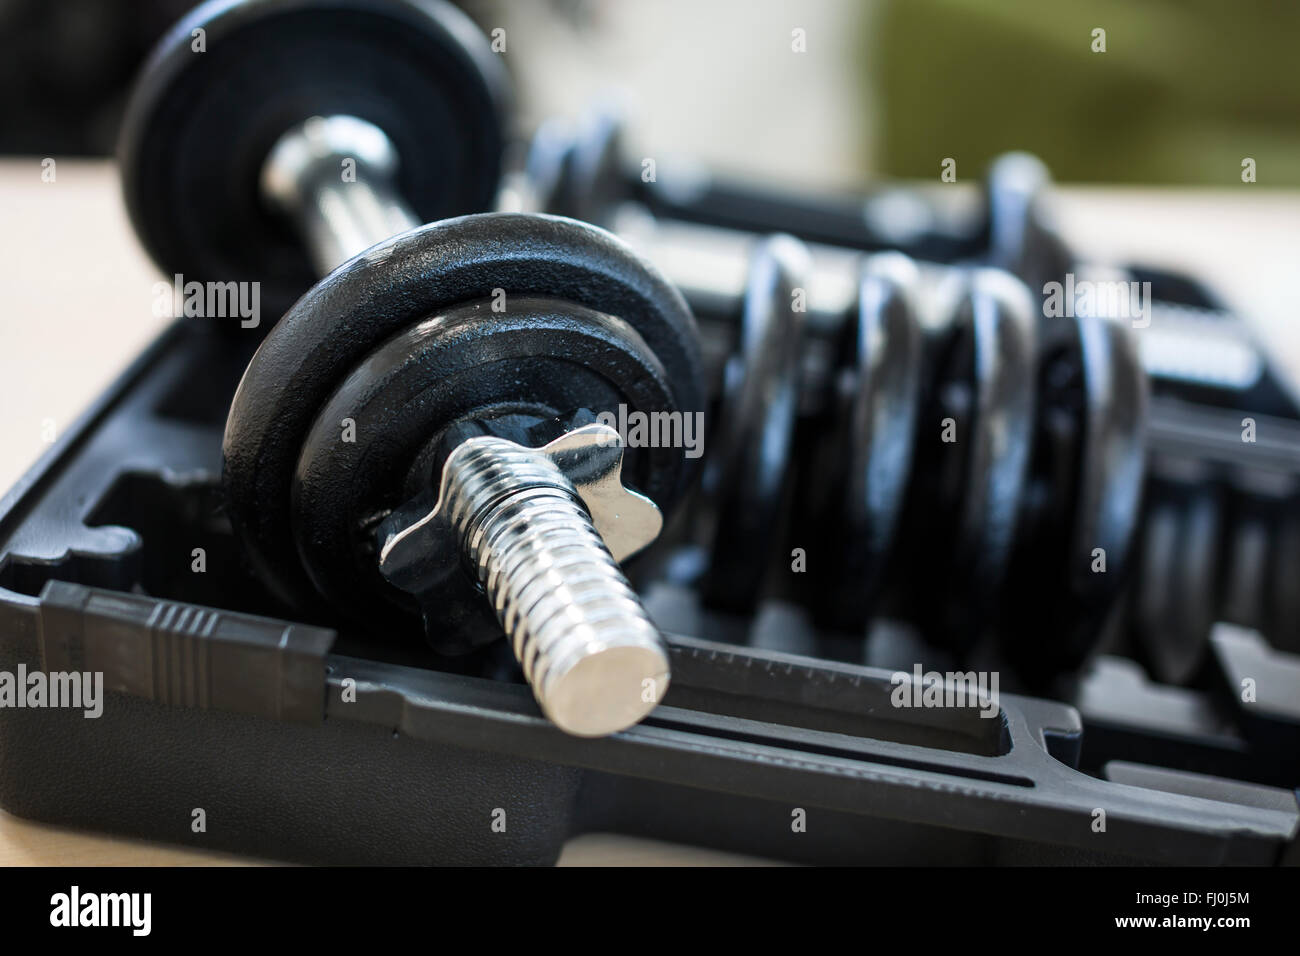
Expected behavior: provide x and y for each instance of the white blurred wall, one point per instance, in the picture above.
(716, 80)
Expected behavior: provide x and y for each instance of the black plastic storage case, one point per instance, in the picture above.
(211, 704)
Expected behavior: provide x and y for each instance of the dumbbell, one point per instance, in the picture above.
(235, 77)
(419, 439)
(580, 170)
(701, 230)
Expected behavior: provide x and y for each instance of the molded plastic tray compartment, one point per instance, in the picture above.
(401, 759)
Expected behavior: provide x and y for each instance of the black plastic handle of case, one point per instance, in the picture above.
(186, 655)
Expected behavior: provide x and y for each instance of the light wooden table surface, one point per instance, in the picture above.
(76, 295)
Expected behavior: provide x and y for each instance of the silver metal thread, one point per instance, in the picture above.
(595, 662)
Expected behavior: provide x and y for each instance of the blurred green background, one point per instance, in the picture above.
(1185, 90)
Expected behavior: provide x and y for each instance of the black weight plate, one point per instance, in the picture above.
(594, 179)
(746, 475)
(395, 284)
(200, 124)
(881, 428)
(855, 486)
(1020, 237)
(1002, 325)
(546, 168)
(544, 356)
(1177, 587)
(965, 507)
(1088, 469)
(1109, 492)
(576, 170)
